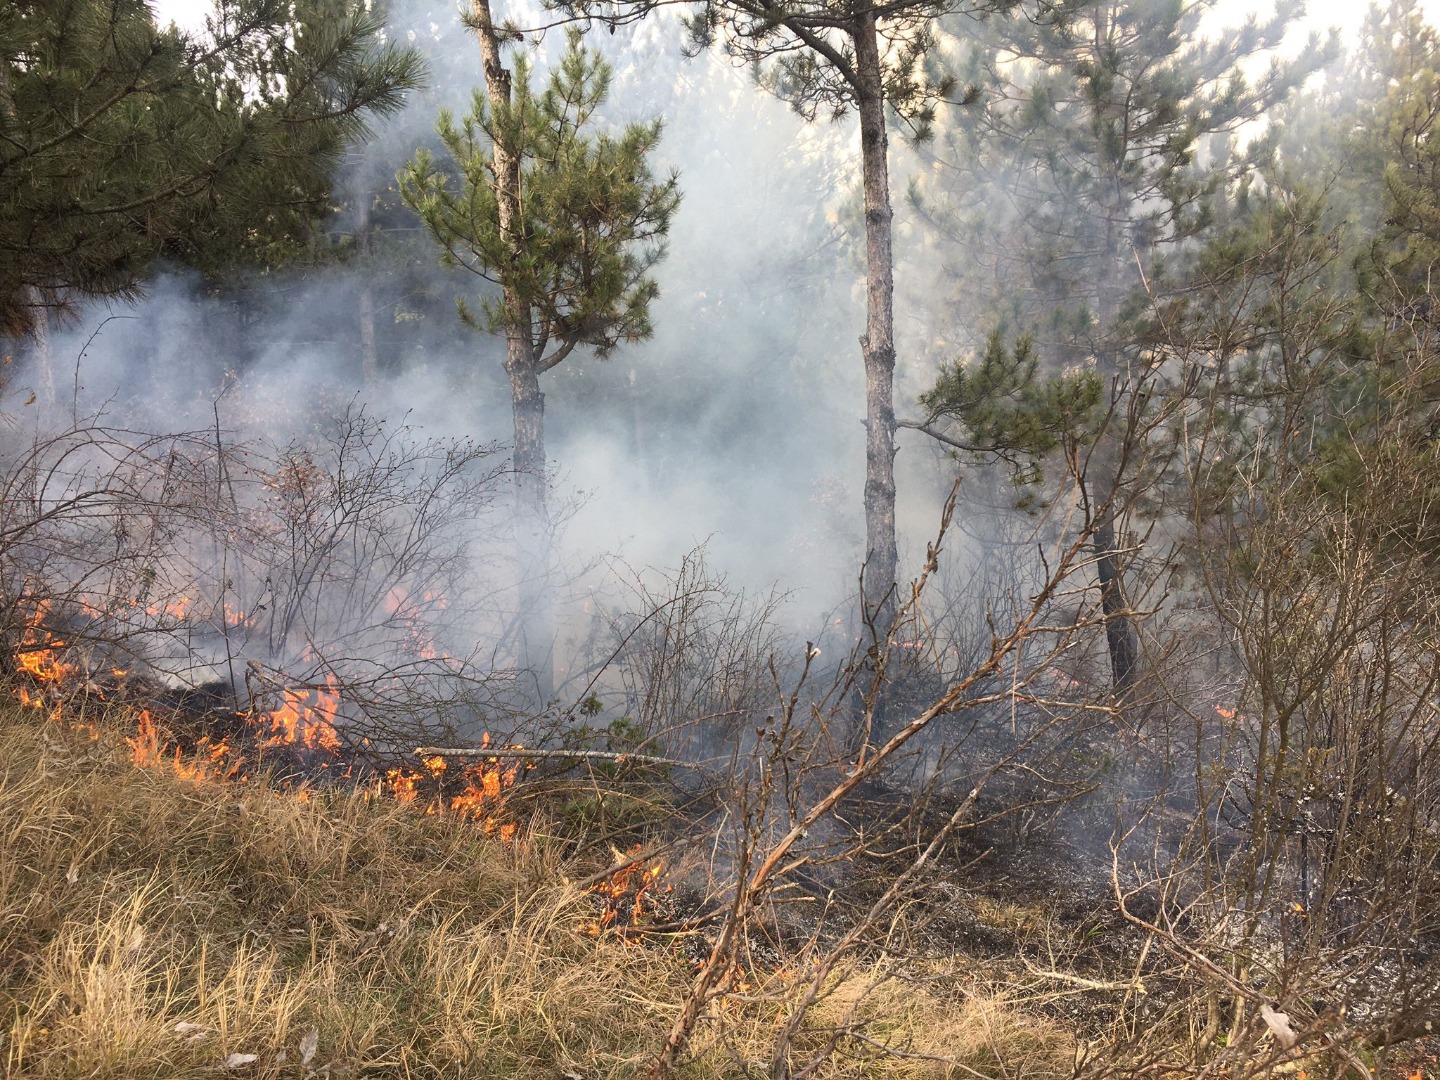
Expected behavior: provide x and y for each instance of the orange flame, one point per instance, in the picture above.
(404, 784)
(296, 723)
(39, 651)
(481, 799)
(151, 747)
(629, 896)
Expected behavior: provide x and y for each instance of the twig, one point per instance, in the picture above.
(1083, 983)
(581, 755)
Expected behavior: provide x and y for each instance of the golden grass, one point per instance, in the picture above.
(156, 926)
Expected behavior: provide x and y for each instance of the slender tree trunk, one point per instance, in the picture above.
(37, 319)
(42, 351)
(369, 357)
(1104, 467)
(532, 524)
(878, 344)
(1120, 636)
(532, 531)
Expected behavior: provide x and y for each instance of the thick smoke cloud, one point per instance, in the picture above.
(737, 427)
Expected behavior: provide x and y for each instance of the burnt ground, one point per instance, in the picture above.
(1019, 901)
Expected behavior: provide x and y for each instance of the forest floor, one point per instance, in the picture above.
(160, 916)
(156, 920)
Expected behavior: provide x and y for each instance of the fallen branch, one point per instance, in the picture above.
(1134, 985)
(579, 755)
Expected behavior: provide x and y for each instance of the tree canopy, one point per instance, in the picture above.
(593, 218)
(121, 142)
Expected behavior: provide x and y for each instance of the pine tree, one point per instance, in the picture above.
(830, 57)
(1096, 125)
(121, 142)
(568, 224)
(1392, 145)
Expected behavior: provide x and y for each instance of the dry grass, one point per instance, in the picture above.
(157, 926)
(922, 1036)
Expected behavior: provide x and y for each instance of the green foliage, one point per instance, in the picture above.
(594, 219)
(1396, 134)
(1075, 185)
(1005, 408)
(121, 142)
(1093, 141)
(802, 56)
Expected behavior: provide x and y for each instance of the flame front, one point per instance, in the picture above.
(151, 747)
(299, 724)
(305, 721)
(39, 652)
(482, 795)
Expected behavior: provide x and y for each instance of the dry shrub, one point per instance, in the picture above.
(156, 925)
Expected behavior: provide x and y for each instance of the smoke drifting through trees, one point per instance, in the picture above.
(738, 426)
(1274, 750)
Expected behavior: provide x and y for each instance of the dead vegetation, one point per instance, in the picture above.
(947, 851)
(156, 925)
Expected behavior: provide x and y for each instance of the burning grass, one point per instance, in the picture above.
(164, 922)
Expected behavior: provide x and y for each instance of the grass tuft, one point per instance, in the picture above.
(157, 925)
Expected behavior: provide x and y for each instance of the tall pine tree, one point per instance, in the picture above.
(831, 57)
(568, 224)
(1088, 152)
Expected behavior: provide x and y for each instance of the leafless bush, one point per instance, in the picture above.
(352, 562)
(800, 807)
(686, 660)
(93, 519)
(1288, 893)
(360, 557)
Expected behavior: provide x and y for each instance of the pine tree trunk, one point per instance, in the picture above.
(42, 350)
(1121, 639)
(878, 344)
(532, 524)
(369, 357)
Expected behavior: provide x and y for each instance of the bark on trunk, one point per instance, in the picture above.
(532, 523)
(532, 531)
(369, 357)
(1120, 634)
(1121, 639)
(878, 344)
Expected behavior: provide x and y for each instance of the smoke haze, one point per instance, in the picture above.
(737, 428)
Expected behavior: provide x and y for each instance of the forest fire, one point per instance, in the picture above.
(301, 725)
(479, 790)
(630, 896)
(303, 728)
(150, 747)
(39, 652)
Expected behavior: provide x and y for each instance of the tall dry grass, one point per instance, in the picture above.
(152, 925)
